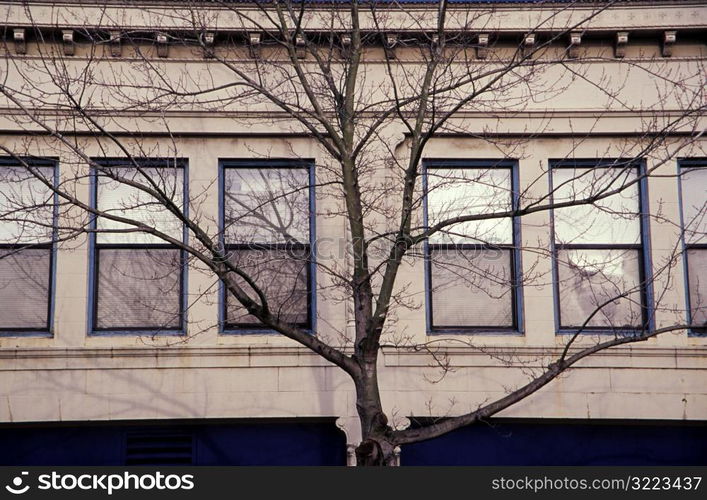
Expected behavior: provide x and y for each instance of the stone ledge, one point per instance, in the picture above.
(32, 358)
(68, 352)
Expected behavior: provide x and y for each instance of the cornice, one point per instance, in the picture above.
(511, 17)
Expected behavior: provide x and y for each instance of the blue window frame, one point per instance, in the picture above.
(472, 269)
(693, 215)
(137, 284)
(267, 221)
(28, 213)
(601, 273)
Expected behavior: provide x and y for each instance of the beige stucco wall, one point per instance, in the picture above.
(74, 376)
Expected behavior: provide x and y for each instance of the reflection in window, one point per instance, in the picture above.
(138, 288)
(138, 277)
(614, 219)
(27, 207)
(693, 185)
(599, 255)
(116, 196)
(592, 278)
(267, 236)
(471, 265)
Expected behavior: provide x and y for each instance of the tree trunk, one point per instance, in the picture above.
(376, 453)
(377, 447)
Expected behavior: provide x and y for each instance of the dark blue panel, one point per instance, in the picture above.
(513, 443)
(261, 443)
(272, 444)
(307, 443)
(61, 446)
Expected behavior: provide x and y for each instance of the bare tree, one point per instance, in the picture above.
(372, 85)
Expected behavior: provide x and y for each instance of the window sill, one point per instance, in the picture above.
(486, 332)
(137, 333)
(234, 332)
(26, 333)
(598, 331)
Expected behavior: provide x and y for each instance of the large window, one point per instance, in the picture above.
(599, 250)
(27, 214)
(693, 187)
(267, 232)
(472, 267)
(138, 278)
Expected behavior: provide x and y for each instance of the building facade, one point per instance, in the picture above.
(101, 340)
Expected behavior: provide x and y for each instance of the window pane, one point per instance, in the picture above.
(694, 204)
(471, 288)
(282, 275)
(610, 220)
(470, 191)
(120, 199)
(590, 278)
(24, 288)
(266, 205)
(697, 272)
(26, 205)
(138, 288)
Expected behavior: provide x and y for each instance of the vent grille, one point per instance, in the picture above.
(159, 447)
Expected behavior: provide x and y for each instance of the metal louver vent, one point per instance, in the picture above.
(159, 447)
